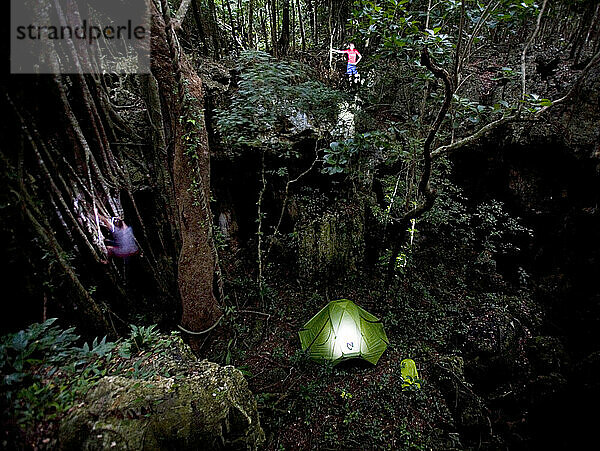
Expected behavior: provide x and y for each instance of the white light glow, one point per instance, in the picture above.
(347, 339)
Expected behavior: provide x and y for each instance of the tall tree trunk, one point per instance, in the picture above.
(214, 29)
(241, 22)
(312, 16)
(231, 24)
(182, 91)
(293, 28)
(251, 24)
(274, 46)
(201, 33)
(314, 25)
(77, 162)
(181, 12)
(264, 29)
(284, 39)
(301, 22)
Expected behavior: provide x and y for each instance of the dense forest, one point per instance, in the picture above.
(170, 229)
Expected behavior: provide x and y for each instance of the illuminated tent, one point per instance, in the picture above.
(342, 330)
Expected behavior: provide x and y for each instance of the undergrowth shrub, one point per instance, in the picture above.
(271, 95)
(45, 371)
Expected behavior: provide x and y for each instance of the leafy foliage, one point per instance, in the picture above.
(271, 95)
(487, 227)
(341, 156)
(143, 336)
(40, 342)
(44, 371)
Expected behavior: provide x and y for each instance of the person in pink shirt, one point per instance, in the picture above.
(354, 58)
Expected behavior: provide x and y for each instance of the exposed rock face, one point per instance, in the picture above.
(210, 407)
(331, 242)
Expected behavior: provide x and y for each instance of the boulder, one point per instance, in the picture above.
(208, 407)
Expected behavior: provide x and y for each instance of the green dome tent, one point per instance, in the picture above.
(342, 330)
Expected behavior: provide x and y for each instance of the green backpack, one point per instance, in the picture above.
(408, 369)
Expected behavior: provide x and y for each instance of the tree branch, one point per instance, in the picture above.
(180, 15)
(449, 148)
(424, 187)
(593, 62)
(286, 198)
(439, 73)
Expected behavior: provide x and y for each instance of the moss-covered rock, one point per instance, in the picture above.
(331, 242)
(208, 407)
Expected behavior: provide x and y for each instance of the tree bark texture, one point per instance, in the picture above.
(182, 91)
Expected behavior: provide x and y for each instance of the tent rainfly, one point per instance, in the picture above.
(342, 330)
